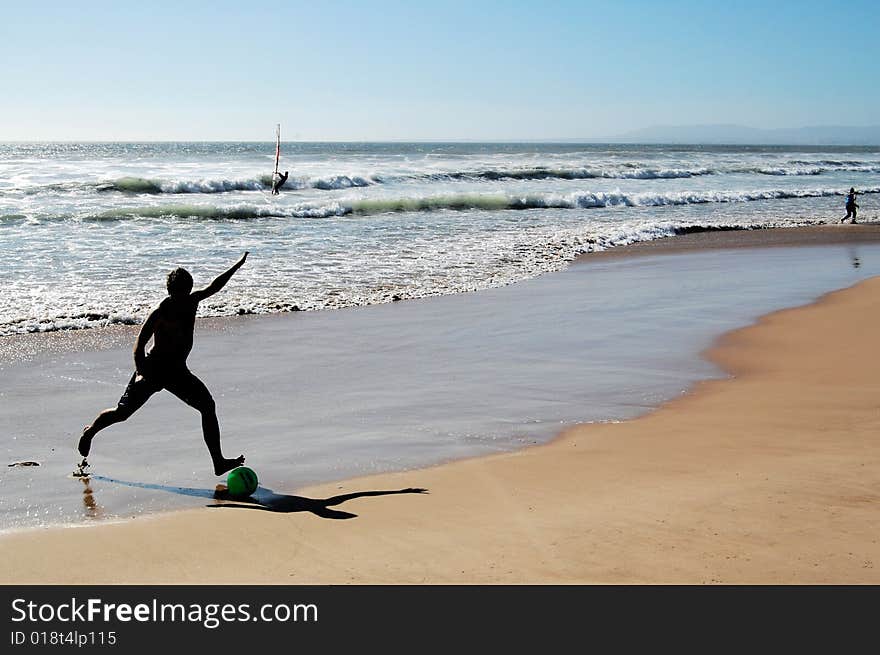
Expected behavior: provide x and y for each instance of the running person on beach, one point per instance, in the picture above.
(171, 326)
(851, 206)
(277, 184)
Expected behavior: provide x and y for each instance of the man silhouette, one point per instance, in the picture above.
(851, 206)
(277, 184)
(171, 326)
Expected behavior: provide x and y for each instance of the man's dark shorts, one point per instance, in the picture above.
(179, 380)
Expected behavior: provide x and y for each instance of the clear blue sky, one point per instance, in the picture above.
(158, 70)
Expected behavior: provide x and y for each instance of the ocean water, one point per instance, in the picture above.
(87, 231)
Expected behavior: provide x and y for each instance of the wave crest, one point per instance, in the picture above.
(136, 185)
(464, 202)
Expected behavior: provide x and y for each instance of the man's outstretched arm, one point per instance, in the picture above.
(219, 282)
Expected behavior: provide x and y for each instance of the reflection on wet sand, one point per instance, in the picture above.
(92, 510)
(854, 257)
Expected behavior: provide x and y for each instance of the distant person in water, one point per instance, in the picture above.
(851, 206)
(277, 184)
(171, 326)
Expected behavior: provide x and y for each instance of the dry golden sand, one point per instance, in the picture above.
(770, 476)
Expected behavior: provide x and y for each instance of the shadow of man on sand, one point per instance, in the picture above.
(266, 499)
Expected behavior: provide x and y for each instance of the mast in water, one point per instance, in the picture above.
(277, 149)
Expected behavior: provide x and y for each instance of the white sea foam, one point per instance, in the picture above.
(459, 202)
(424, 269)
(94, 226)
(334, 181)
(260, 183)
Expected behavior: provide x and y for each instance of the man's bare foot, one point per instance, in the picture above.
(225, 465)
(85, 441)
(82, 469)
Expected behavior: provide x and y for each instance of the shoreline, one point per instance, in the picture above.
(467, 489)
(773, 237)
(25, 347)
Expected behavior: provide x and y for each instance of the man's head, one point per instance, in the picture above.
(179, 283)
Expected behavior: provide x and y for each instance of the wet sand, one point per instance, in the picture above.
(769, 476)
(812, 235)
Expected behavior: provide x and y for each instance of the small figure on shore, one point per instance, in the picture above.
(851, 206)
(171, 326)
(277, 184)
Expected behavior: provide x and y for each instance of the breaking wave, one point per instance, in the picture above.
(150, 186)
(61, 322)
(240, 212)
(136, 185)
(464, 202)
(578, 200)
(812, 168)
(545, 173)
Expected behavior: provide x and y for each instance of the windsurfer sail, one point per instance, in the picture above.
(277, 147)
(278, 179)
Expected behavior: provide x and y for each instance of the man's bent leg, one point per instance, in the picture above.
(186, 386)
(133, 398)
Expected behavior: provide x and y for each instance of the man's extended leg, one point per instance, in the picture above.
(133, 398)
(186, 386)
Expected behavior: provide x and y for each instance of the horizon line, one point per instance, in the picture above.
(554, 141)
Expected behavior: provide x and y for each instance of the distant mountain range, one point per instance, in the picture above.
(824, 135)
